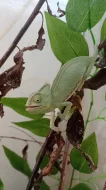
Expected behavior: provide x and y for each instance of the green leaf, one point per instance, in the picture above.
(44, 186)
(45, 161)
(89, 145)
(103, 30)
(1, 185)
(65, 43)
(39, 127)
(17, 162)
(81, 186)
(84, 14)
(18, 105)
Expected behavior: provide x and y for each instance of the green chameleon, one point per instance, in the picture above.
(70, 78)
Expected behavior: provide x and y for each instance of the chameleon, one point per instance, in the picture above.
(70, 78)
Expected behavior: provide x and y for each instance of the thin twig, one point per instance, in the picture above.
(18, 129)
(22, 32)
(21, 139)
(64, 165)
(37, 165)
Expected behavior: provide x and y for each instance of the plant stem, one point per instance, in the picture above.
(90, 108)
(71, 179)
(64, 164)
(92, 35)
(22, 32)
(17, 138)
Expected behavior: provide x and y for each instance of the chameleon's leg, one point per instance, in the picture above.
(52, 119)
(66, 111)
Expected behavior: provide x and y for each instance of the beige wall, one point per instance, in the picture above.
(41, 67)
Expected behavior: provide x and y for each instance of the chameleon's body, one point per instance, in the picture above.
(70, 78)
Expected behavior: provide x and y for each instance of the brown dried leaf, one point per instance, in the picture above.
(102, 62)
(75, 128)
(87, 157)
(76, 101)
(40, 41)
(24, 152)
(60, 11)
(18, 58)
(14, 77)
(48, 8)
(96, 81)
(104, 188)
(1, 110)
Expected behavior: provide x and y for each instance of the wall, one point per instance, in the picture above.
(41, 67)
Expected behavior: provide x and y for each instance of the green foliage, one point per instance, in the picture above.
(81, 15)
(40, 127)
(18, 105)
(45, 162)
(103, 30)
(81, 186)
(89, 145)
(44, 186)
(65, 43)
(17, 162)
(1, 185)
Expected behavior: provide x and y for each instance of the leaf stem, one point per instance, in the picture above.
(90, 108)
(92, 35)
(64, 165)
(71, 179)
(21, 139)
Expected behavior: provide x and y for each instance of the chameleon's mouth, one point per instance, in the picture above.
(32, 106)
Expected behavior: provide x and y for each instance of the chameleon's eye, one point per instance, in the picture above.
(37, 99)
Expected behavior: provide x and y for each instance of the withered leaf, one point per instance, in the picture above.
(40, 41)
(60, 10)
(1, 110)
(13, 78)
(48, 8)
(96, 81)
(102, 61)
(104, 188)
(76, 101)
(102, 45)
(24, 152)
(18, 58)
(75, 128)
(87, 157)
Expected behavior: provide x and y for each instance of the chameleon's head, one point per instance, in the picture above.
(40, 101)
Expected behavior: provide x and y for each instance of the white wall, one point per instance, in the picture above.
(41, 67)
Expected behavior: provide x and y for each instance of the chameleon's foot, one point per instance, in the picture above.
(54, 128)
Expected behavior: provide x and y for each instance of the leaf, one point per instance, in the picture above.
(103, 30)
(89, 146)
(44, 186)
(39, 127)
(18, 105)
(25, 152)
(1, 185)
(45, 161)
(65, 43)
(75, 128)
(17, 161)
(81, 14)
(81, 186)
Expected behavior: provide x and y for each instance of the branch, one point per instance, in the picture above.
(17, 138)
(64, 164)
(22, 32)
(41, 156)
